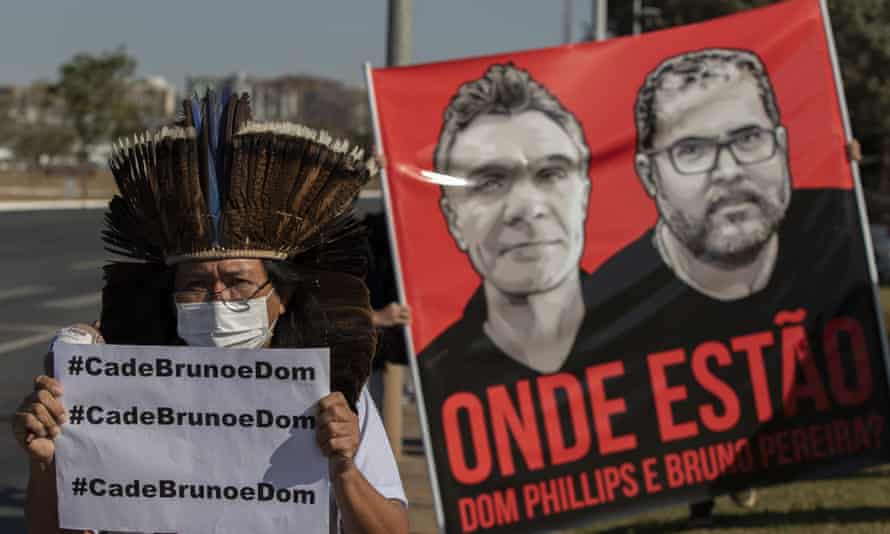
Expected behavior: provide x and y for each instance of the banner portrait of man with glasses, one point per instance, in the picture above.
(713, 154)
(681, 208)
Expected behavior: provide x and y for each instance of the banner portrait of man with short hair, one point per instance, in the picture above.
(637, 270)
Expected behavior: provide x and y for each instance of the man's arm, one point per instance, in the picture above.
(37, 423)
(854, 151)
(41, 502)
(393, 314)
(363, 509)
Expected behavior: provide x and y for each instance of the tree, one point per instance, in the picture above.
(668, 13)
(34, 141)
(128, 120)
(7, 124)
(94, 89)
(31, 123)
(862, 35)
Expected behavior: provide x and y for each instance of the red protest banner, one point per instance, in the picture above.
(637, 269)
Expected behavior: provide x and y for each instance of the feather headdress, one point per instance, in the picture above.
(222, 186)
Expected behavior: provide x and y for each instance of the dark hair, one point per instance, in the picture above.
(694, 68)
(302, 324)
(137, 304)
(327, 309)
(503, 90)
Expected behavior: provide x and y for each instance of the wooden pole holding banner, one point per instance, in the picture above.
(398, 52)
(400, 285)
(392, 86)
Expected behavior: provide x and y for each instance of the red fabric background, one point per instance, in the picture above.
(598, 82)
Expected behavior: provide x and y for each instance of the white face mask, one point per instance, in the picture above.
(213, 324)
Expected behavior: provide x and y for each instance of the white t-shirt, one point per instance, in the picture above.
(374, 456)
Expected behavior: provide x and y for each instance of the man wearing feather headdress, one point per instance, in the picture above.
(244, 237)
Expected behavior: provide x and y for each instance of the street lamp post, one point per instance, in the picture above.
(600, 14)
(398, 37)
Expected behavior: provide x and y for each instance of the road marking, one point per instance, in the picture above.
(73, 303)
(25, 342)
(24, 291)
(86, 265)
(28, 327)
(40, 333)
(41, 205)
(11, 511)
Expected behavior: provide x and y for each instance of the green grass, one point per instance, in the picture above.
(38, 185)
(858, 503)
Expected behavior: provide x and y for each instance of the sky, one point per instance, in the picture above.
(330, 38)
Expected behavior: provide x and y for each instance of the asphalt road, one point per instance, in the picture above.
(50, 276)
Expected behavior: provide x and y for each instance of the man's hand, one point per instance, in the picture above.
(392, 314)
(380, 159)
(854, 151)
(337, 433)
(38, 419)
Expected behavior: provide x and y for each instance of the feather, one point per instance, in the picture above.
(242, 113)
(242, 153)
(207, 174)
(187, 118)
(227, 131)
(222, 182)
(215, 127)
(195, 107)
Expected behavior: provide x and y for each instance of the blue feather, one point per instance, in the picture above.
(207, 114)
(217, 136)
(212, 122)
(213, 201)
(196, 112)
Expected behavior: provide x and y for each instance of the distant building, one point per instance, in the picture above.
(40, 104)
(35, 104)
(318, 102)
(7, 95)
(155, 98)
(277, 99)
(235, 83)
(7, 98)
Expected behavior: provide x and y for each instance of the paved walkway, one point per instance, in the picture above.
(412, 467)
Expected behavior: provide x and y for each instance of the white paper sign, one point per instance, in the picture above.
(191, 440)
